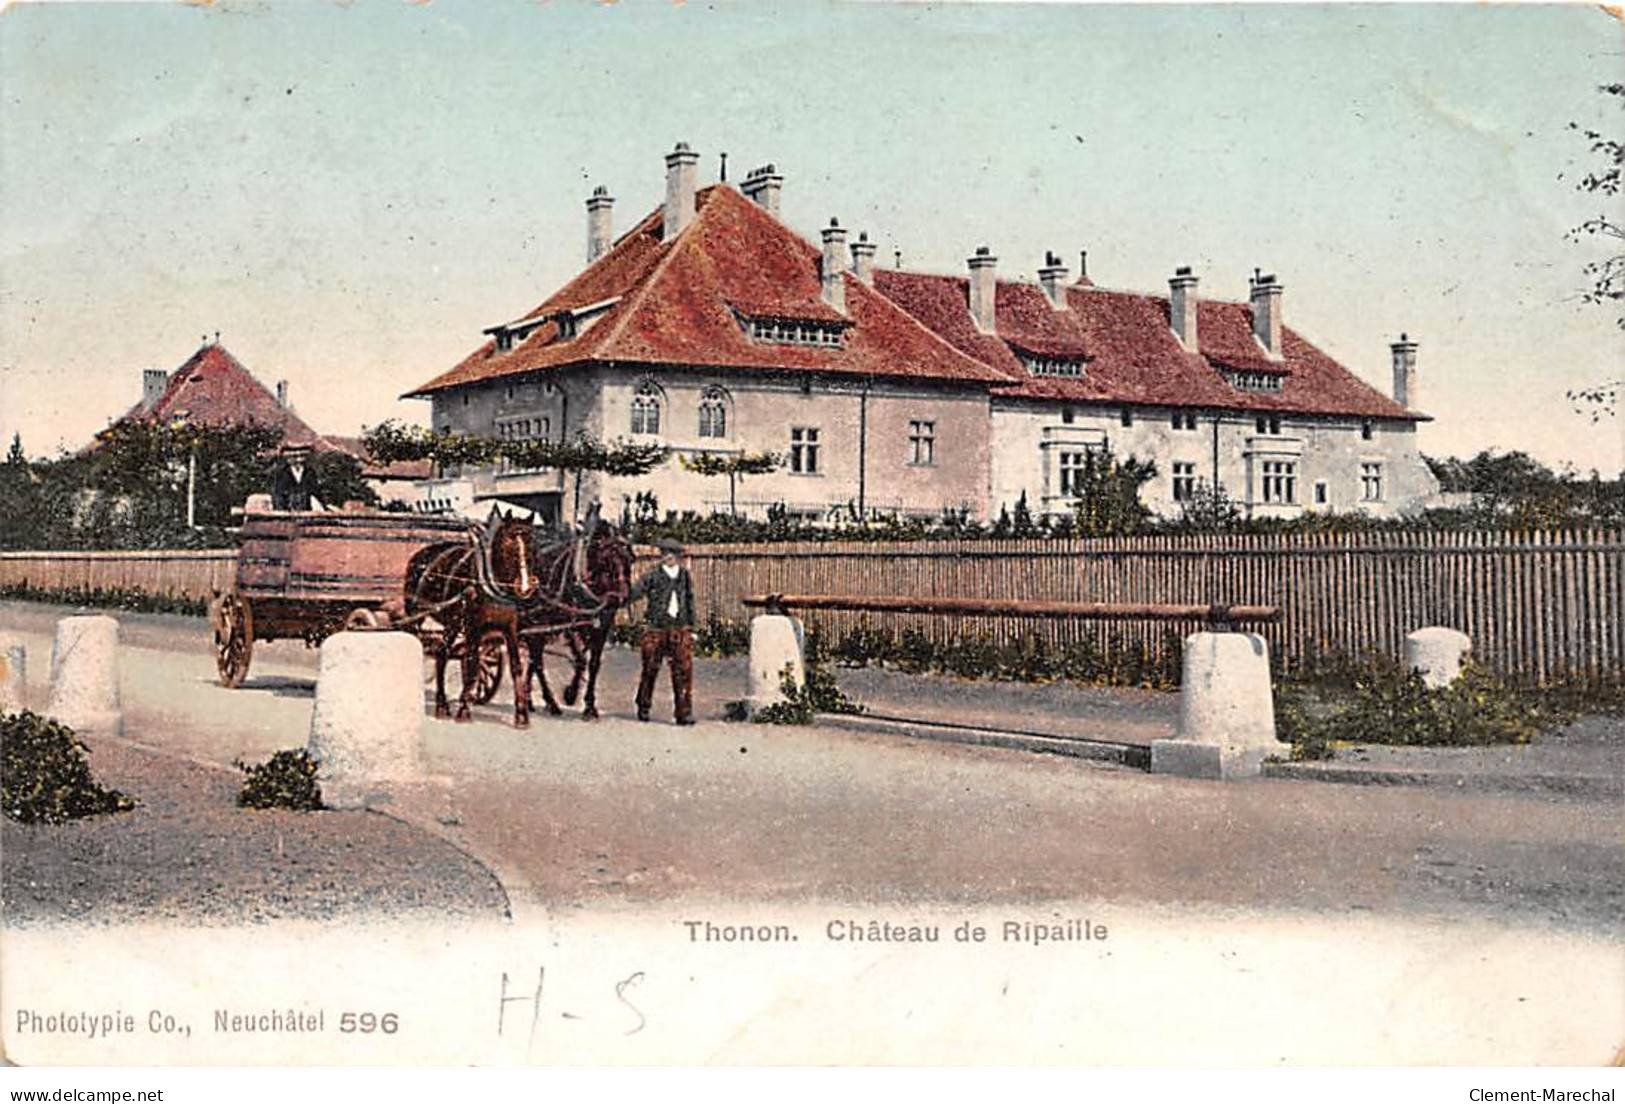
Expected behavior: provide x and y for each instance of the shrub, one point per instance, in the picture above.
(818, 694)
(1296, 724)
(286, 781)
(1386, 703)
(136, 601)
(44, 775)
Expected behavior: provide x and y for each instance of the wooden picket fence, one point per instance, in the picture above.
(174, 573)
(1539, 606)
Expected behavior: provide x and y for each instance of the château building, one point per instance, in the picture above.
(712, 327)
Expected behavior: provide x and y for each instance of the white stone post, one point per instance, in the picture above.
(13, 675)
(1226, 710)
(1437, 653)
(366, 728)
(85, 675)
(775, 641)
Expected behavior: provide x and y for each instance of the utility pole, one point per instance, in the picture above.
(191, 487)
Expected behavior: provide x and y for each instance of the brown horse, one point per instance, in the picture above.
(472, 589)
(583, 582)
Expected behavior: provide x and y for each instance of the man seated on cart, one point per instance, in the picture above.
(293, 486)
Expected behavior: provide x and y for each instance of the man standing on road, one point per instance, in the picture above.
(668, 631)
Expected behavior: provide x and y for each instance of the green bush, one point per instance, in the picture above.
(44, 776)
(1383, 702)
(817, 694)
(286, 781)
(136, 601)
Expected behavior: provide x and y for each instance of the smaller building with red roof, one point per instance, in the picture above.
(214, 388)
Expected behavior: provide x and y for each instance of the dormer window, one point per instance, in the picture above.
(795, 331)
(1254, 381)
(504, 340)
(1051, 365)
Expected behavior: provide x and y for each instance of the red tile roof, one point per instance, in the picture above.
(213, 388)
(1131, 354)
(679, 303)
(396, 469)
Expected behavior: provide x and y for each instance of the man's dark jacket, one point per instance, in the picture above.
(657, 586)
(289, 493)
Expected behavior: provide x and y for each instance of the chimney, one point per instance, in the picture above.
(863, 258)
(1053, 278)
(834, 266)
(600, 222)
(680, 172)
(762, 186)
(153, 383)
(1182, 307)
(1404, 351)
(982, 265)
(282, 393)
(1266, 299)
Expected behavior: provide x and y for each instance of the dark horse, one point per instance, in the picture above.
(582, 581)
(472, 588)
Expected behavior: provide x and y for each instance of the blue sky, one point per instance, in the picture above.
(349, 193)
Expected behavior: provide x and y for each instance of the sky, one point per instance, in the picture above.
(349, 193)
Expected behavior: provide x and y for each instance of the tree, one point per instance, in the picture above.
(1106, 494)
(1607, 274)
(15, 454)
(1209, 509)
(734, 467)
(391, 441)
(1514, 489)
(339, 479)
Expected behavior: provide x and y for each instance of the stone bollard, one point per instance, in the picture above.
(1437, 653)
(367, 726)
(1226, 709)
(85, 676)
(775, 640)
(13, 675)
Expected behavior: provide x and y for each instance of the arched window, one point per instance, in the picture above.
(714, 412)
(646, 409)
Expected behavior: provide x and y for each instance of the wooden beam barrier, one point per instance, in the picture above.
(1216, 613)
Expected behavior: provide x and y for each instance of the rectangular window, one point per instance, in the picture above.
(1365, 430)
(1280, 481)
(1184, 420)
(1269, 424)
(1071, 465)
(804, 450)
(1067, 415)
(1321, 493)
(1370, 482)
(922, 442)
(1184, 481)
(1128, 417)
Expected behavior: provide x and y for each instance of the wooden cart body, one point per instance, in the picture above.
(306, 575)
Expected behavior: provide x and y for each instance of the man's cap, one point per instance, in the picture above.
(670, 546)
(294, 450)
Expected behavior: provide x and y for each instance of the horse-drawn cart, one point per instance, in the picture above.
(306, 575)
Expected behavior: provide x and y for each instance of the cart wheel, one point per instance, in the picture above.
(363, 618)
(233, 639)
(488, 666)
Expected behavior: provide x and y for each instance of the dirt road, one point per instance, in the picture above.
(582, 814)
